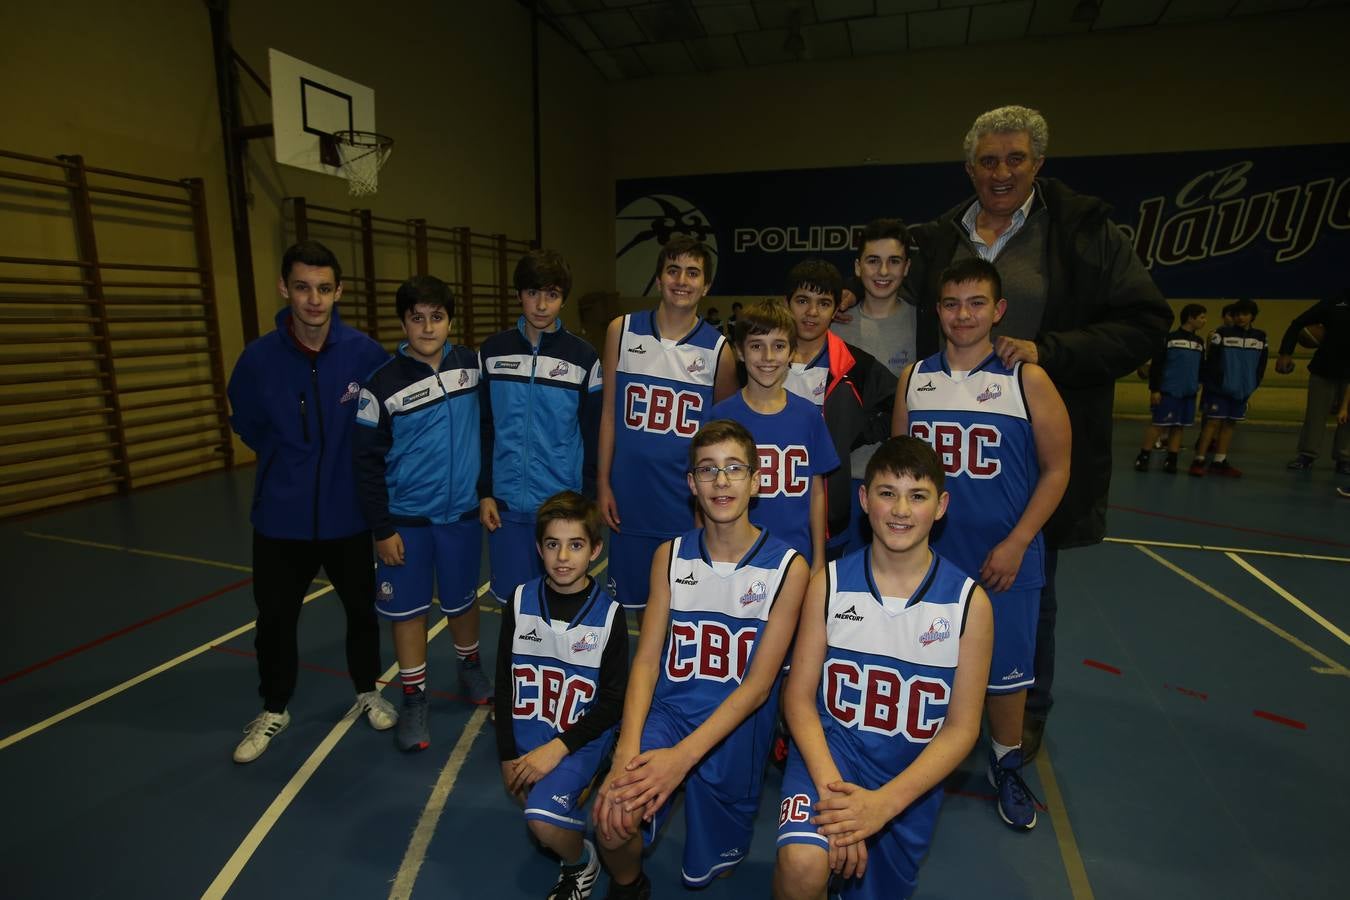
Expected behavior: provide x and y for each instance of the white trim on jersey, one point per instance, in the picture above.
(647, 356)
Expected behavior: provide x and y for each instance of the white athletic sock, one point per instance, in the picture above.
(1001, 751)
(1220, 457)
(467, 653)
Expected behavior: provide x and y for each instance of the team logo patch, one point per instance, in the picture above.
(559, 370)
(463, 377)
(563, 800)
(929, 386)
(1014, 674)
(531, 635)
(363, 403)
(638, 349)
(940, 630)
(756, 593)
(688, 579)
(353, 391)
(696, 366)
(818, 390)
(589, 641)
(849, 615)
(506, 364)
(733, 853)
(413, 398)
(386, 592)
(993, 392)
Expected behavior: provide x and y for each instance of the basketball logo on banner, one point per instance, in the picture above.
(641, 227)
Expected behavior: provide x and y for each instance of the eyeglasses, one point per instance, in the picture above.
(733, 471)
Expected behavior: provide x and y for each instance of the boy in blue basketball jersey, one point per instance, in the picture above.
(664, 369)
(1173, 382)
(1235, 364)
(702, 691)
(1002, 435)
(795, 449)
(888, 675)
(563, 650)
(416, 448)
(540, 418)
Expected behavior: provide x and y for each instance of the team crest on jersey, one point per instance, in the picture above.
(531, 635)
(589, 641)
(698, 365)
(353, 391)
(757, 593)
(463, 377)
(993, 392)
(927, 387)
(689, 579)
(818, 390)
(506, 364)
(386, 591)
(559, 370)
(940, 630)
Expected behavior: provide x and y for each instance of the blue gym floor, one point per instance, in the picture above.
(1197, 748)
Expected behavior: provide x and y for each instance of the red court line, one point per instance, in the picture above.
(124, 631)
(324, 670)
(1105, 667)
(1242, 528)
(1281, 720)
(1200, 695)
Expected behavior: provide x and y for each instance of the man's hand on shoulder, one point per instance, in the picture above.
(1013, 350)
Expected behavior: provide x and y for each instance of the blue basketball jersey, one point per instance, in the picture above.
(978, 423)
(793, 446)
(717, 613)
(663, 390)
(555, 666)
(890, 665)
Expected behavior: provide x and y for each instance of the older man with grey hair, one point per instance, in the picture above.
(1080, 304)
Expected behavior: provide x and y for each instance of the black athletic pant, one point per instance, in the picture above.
(282, 573)
(1039, 699)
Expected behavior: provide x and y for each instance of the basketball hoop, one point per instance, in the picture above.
(360, 156)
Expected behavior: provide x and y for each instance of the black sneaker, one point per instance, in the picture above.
(1302, 461)
(1170, 464)
(576, 882)
(1141, 461)
(638, 890)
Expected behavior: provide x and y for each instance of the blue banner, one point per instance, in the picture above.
(1264, 223)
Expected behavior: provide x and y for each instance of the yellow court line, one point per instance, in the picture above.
(135, 551)
(1297, 603)
(1216, 549)
(431, 813)
(1334, 667)
(1074, 869)
(132, 682)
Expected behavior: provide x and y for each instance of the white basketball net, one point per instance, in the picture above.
(362, 154)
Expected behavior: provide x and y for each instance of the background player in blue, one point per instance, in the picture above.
(888, 674)
(417, 451)
(1173, 382)
(664, 369)
(701, 701)
(795, 450)
(1002, 435)
(564, 652)
(1235, 364)
(540, 418)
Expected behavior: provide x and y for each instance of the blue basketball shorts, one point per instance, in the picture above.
(1173, 410)
(1015, 615)
(893, 854)
(719, 818)
(630, 567)
(512, 554)
(446, 555)
(1221, 406)
(559, 797)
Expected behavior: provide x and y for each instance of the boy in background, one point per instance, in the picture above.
(795, 449)
(1235, 363)
(541, 391)
(563, 650)
(416, 448)
(888, 674)
(853, 391)
(664, 370)
(1173, 381)
(1002, 434)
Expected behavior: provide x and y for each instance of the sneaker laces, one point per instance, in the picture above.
(1020, 790)
(569, 883)
(265, 723)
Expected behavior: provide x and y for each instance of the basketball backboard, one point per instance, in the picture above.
(308, 102)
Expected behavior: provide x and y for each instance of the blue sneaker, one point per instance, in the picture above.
(1016, 803)
(413, 733)
(473, 683)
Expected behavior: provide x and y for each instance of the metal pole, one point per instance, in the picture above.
(538, 175)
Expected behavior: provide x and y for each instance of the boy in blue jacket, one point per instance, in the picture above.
(1173, 382)
(292, 400)
(1234, 365)
(417, 458)
(540, 398)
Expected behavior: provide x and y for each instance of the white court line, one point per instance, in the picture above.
(1294, 601)
(431, 814)
(132, 682)
(1247, 550)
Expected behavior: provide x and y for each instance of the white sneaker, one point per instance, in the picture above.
(380, 713)
(259, 733)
